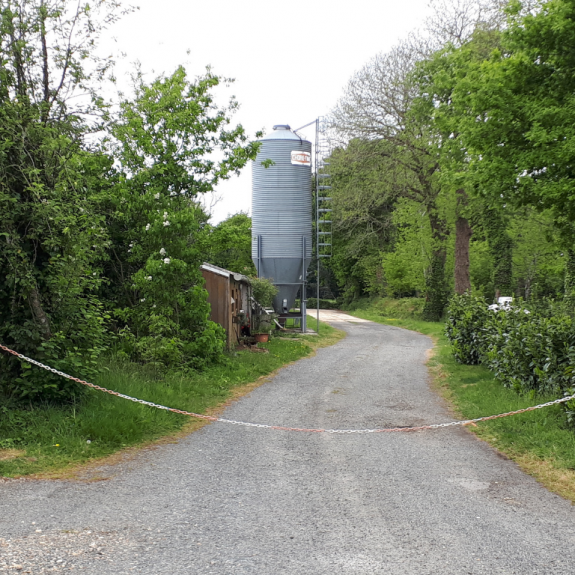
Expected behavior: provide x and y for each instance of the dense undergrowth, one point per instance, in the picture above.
(541, 441)
(44, 437)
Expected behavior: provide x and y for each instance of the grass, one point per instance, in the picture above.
(404, 308)
(49, 440)
(539, 441)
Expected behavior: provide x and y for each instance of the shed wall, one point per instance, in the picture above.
(218, 288)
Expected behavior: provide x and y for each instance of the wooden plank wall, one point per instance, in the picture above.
(219, 299)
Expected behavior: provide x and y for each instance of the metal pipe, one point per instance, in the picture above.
(317, 219)
(303, 294)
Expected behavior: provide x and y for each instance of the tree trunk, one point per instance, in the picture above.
(570, 277)
(501, 251)
(435, 288)
(463, 234)
(39, 313)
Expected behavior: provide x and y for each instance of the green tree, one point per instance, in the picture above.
(165, 140)
(517, 111)
(364, 194)
(51, 185)
(229, 244)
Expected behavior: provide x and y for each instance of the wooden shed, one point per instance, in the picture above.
(229, 298)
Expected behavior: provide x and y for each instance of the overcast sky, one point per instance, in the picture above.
(291, 60)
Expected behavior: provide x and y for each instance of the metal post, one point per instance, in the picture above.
(259, 250)
(317, 218)
(303, 306)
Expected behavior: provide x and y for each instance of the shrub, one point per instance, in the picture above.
(323, 303)
(467, 317)
(263, 291)
(530, 350)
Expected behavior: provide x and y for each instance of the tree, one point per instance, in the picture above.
(379, 104)
(229, 244)
(437, 79)
(165, 139)
(376, 107)
(363, 197)
(51, 185)
(517, 113)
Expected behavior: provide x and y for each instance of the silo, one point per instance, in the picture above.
(281, 213)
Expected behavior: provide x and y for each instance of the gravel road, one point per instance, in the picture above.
(229, 500)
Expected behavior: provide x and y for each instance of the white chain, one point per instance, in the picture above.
(276, 427)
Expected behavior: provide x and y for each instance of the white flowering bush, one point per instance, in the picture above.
(164, 140)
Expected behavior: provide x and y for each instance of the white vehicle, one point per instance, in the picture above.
(504, 304)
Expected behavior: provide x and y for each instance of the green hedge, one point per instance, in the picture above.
(323, 303)
(403, 308)
(530, 349)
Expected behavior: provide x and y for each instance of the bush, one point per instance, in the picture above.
(323, 303)
(529, 350)
(263, 291)
(403, 308)
(467, 317)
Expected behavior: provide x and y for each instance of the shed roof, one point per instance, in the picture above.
(226, 273)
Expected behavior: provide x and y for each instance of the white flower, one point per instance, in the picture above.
(165, 215)
(162, 252)
(147, 227)
(94, 274)
(149, 278)
(143, 300)
(166, 223)
(166, 260)
(157, 196)
(154, 305)
(129, 251)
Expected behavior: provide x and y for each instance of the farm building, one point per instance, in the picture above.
(229, 297)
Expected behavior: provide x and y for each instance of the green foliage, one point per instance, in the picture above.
(52, 232)
(466, 317)
(99, 214)
(501, 248)
(363, 199)
(529, 350)
(164, 139)
(229, 244)
(263, 291)
(521, 152)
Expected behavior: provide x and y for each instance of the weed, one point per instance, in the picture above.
(48, 437)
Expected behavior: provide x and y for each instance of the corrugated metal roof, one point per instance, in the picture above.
(226, 273)
(281, 132)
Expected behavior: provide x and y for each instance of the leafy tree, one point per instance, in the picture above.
(165, 139)
(229, 244)
(376, 106)
(363, 197)
(51, 184)
(517, 119)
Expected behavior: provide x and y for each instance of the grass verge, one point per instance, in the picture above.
(539, 441)
(50, 441)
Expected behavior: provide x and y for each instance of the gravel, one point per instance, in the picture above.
(232, 500)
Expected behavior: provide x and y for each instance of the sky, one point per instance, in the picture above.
(291, 60)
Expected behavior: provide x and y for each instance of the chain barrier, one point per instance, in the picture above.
(279, 427)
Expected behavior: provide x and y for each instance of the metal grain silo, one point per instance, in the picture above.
(281, 213)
